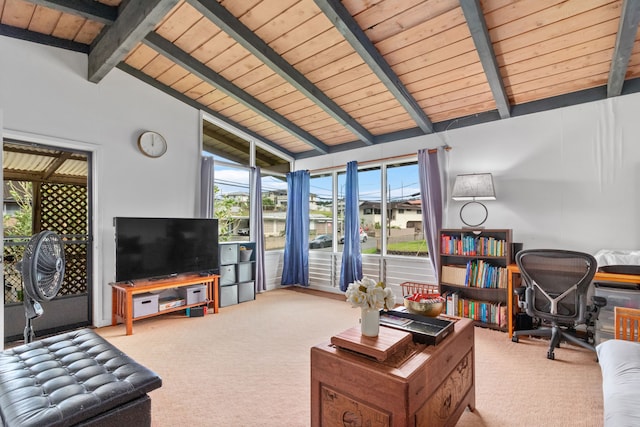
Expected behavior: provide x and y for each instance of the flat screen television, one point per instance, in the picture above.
(149, 248)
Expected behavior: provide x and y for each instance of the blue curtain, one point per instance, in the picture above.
(431, 191)
(351, 257)
(295, 269)
(257, 229)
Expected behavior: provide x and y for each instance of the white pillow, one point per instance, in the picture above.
(620, 364)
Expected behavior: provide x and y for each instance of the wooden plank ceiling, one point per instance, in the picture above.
(310, 77)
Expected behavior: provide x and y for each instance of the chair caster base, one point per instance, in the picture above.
(550, 355)
(514, 338)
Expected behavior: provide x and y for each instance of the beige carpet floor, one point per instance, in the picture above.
(249, 366)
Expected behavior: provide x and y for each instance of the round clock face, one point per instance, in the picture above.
(152, 144)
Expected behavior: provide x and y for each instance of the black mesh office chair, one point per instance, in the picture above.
(555, 292)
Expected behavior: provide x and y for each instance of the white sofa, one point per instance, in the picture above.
(620, 364)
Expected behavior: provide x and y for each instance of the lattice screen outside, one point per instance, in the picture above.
(64, 210)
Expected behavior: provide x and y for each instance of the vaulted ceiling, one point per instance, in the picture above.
(311, 77)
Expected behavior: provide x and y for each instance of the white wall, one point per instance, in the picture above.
(566, 178)
(46, 98)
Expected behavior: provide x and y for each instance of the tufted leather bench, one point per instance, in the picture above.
(75, 378)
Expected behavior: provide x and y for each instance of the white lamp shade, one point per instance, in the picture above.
(474, 186)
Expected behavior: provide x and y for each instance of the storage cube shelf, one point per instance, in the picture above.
(228, 274)
(473, 274)
(237, 272)
(246, 291)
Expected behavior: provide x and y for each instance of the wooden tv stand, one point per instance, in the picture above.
(123, 292)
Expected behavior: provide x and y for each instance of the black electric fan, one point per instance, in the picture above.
(42, 268)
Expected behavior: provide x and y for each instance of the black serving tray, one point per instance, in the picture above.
(425, 330)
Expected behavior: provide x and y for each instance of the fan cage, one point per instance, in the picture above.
(43, 266)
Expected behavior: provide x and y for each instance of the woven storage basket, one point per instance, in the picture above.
(454, 275)
(410, 288)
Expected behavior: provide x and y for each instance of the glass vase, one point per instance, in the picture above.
(369, 322)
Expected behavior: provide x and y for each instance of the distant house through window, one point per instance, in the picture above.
(399, 228)
(404, 231)
(234, 156)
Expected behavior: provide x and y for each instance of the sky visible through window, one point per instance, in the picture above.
(402, 183)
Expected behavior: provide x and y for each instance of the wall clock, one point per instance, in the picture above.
(152, 144)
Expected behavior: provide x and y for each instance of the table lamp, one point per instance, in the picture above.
(473, 187)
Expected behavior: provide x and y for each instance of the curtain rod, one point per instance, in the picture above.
(403, 156)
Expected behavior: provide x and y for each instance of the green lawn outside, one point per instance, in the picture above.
(417, 247)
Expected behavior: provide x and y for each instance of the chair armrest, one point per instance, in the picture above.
(520, 292)
(599, 301)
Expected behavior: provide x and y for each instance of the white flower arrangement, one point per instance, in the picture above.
(367, 293)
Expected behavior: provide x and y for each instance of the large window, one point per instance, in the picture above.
(369, 199)
(232, 200)
(391, 216)
(321, 212)
(234, 156)
(403, 229)
(274, 210)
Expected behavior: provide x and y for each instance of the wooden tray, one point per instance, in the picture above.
(388, 342)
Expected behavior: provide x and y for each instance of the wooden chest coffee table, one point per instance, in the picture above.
(417, 385)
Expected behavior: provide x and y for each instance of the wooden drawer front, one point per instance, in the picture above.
(443, 359)
(338, 410)
(442, 404)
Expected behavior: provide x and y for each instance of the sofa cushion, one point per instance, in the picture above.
(620, 364)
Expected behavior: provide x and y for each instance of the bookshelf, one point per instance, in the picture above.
(473, 274)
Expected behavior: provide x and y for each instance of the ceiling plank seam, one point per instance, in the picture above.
(114, 43)
(182, 58)
(349, 28)
(625, 39)
(231, 25)
(480, 34)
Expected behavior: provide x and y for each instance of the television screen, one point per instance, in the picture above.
(158, 247)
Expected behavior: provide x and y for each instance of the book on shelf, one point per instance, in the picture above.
(472, 245)
(481, 311)
(481, 274)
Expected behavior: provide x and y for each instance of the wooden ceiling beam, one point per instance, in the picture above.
(231, 25)
(625, 39)
(7, 148)
(32, 36)
(88, 9)
(114, 43)
(37, 177)
(480, 34)
(53, 167)
(352, 32)
(186, 61)
(195, 104)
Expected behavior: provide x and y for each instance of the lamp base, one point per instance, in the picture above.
(476, 214)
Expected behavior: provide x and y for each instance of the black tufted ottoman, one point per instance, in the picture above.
(75, 378)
